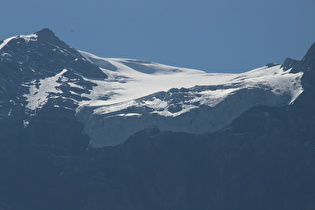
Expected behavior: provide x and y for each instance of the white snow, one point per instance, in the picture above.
(26, 123)
(127, 84)
(128, 115)
(27, 38)
(39, 91)
(71, 84)
(10, 113)
(122, 104)
(155, 103)
(5, 42)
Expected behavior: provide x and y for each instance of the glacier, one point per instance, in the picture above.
(141, 94)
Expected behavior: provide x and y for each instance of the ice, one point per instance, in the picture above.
(140, 94)
(127, 84)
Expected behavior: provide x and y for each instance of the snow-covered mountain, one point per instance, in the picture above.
(141, 94)
(39, 68)
(115, 98)
(87, 133)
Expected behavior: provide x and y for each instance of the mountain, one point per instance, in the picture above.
(142, 94)
(83, 132)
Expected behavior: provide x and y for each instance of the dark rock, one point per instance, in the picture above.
(269, 65)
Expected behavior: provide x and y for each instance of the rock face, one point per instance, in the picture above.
(263, 158)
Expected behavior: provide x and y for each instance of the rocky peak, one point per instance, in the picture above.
(43, 54)
(309, 58)
(47, 36)
(27, 62)
(305, 65)
(46, 32)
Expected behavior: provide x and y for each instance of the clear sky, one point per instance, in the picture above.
(211, 35)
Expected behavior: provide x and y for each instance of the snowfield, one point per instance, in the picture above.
(126, 83)
(141, 94)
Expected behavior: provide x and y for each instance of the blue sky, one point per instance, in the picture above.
(215, 36)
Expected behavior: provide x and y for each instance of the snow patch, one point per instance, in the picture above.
(27, 38)
(5, 42)
(26, 123)
(10, 113)
(40, 90)
(129, 115)
(74, 85)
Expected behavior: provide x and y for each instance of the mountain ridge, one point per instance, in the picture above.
(261, 159)
(131, 95)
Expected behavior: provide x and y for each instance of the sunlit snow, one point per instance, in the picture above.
(5, 42)
(139, 94)
(27, 38)
(39, 91)
(127, 84)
